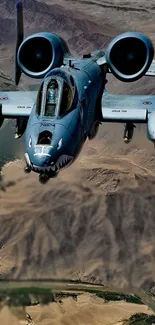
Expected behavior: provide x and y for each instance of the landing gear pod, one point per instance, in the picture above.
(41, 52)
(128, 132)
(129, 56)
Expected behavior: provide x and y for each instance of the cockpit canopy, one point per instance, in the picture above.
(55, 97)
(52, 98)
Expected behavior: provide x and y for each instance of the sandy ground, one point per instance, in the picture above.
(96, 220)
(88, 310)
(37, 225)
(98, 216)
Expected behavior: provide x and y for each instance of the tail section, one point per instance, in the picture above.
(20, 37)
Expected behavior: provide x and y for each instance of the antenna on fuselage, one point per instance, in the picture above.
(20, 37)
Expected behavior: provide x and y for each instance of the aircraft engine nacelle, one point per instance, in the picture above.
(41, 52)
(129, 56)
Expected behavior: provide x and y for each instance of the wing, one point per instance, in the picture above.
(124, 108)
(15, 104)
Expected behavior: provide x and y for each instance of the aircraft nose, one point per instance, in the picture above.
(41, 158)
(52, 149)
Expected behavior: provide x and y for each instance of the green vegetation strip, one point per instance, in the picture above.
(110, 296)
(140, 319)
(27, 296)
(113, 296)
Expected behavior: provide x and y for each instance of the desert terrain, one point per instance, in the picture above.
(86, 310)
(96, 220)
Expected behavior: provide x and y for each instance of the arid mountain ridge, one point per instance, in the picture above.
(91, 235)
(98, 216)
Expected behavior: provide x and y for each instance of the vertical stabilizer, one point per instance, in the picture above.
(20, 37)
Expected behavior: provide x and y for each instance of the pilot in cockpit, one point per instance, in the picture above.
(52, 98)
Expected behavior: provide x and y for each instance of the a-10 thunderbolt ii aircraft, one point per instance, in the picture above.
(72, 101)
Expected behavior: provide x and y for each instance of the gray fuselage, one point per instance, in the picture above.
(54, 140)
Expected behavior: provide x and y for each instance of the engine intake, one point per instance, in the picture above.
(129, 56)
(41, 52)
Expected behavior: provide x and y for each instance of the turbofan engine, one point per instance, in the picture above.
(129, 56)
(41, 52)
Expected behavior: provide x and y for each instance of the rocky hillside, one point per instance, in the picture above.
(106, 228)
(97, 217)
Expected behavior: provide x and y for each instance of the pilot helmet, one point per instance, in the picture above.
(53, 92)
